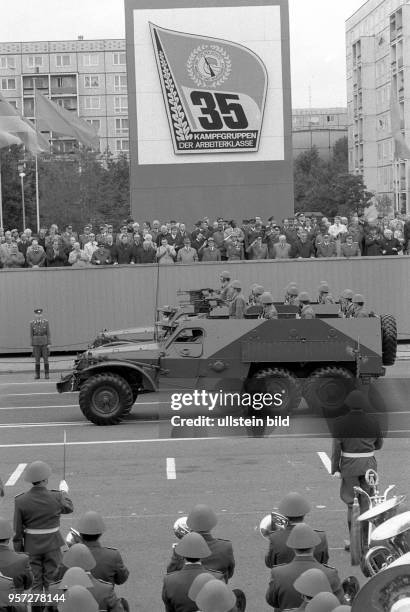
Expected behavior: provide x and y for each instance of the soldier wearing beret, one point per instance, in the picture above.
(281, 593)
(202, 519)
(40, 341)
(294, 507)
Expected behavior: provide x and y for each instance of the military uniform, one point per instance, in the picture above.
(279, 553)
(227, 294)
(269, 313)
(15, 566)
(40, 341)
(237, 306)
(326, 298)
(177, 584)
(109, 564)
(104, 594)
(307, 312)
(221, 558)
(359, 312)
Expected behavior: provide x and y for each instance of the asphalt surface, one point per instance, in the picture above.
(141, 477)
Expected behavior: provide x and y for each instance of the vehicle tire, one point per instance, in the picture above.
(389, 339)
(279, 380)
(105, 398)
(325, 390)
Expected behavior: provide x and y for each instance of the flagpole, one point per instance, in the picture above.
(36, 162)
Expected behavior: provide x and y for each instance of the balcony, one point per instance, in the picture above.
(68, 90)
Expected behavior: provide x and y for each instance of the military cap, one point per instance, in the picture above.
(225, 274)
(293, 504)
(267, 298)
(79, 598)
(215, 596)
(36, 471)
(201, 518)
(322, 602)
(303, 536)
(211, 238)
(347, 294)
(258, 290)
(358, 298)
(91, 523)
(236, 284)
(312, 582)
(79, 555)
(199, 582)
(6, 530)
(193, 545)
(38, 310)
(304, 296)
(73, 576)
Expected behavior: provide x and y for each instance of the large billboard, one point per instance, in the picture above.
(209, 108)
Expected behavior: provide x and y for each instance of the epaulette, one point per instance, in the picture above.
(329, 566)
(110, 547)
(319, 531)
(223, 540)
(103, 581)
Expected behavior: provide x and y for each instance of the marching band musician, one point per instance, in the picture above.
(14, 565)
(355, 438)
(294, 507)
(309, 584)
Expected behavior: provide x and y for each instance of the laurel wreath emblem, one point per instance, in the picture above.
(194, 73)
(180, 123)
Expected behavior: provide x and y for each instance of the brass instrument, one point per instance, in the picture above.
(73, 537)
(272, 522)
(180, 527)
(392, 534)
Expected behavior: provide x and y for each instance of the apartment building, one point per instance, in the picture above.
(319, 127)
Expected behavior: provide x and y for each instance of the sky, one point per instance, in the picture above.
(317, 37)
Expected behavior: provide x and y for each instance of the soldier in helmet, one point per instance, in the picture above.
(255, 295)
(281, 593)
(40, 341)
(226, 292)
(78, 597)
(237, 306)
(324, 296)
(294, 507)
(202, 519)
(305, 309)
(193, 550)
(309, 584)
(291, 295)
(322, 602)
(37, 524)
(13, 564)
(358, 310)
(269, 311)
(345, 302)
(215, 596)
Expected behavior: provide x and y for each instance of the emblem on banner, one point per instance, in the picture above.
(214, 92)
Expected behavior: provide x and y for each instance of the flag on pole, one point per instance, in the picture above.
(52, 117)
(401, 149)
(14, 129)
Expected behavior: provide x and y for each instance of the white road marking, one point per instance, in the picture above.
(16, 474)
(171, 470)
(325, 460)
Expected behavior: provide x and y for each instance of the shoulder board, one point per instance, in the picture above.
(103, 581)
(19, 494)
(223, 540)
(321, 531)
(330, 567)
(110, 547)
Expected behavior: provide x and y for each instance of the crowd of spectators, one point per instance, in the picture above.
(220, 240)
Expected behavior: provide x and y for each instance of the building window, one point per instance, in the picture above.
(63, 60)
(13, 103)
(120, 104)
(35, 61)
(122, 145)
(92, 102)
(8, 83)
(7, 62)
(330, 118)
(91, 81)
(96, 123)
(121, 126)
(120, 82)
(91, 59)
(119, 59)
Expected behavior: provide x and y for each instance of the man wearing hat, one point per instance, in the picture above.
(309, 584)
(324, 296)
(78, 598)
(193, 548)
(305, 309)
(322, 602)
(281, 593)
(208, 251)
(237, 306)
(202, 519)
(294, 507)
(356, 436)
(269, 311)
(215, 596)
(291, 295)
(109, 564)
(37, 524)
(40, 341)
(12, 564)
(226, 292)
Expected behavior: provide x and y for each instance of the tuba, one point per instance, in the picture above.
(181, 528)
(394, 538)
(272, 522)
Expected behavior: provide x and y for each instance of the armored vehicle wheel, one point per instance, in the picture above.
(326, 389)
(389, 339)
(283, 382)
(105, 398)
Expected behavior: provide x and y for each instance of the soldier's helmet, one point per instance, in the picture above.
(294, 504)
(79, 598)
(267, 298)
(293, 290)
(201, 518)
(347, 294)
(323, 287)
(303, 536)
(91, 523)
(6, 530)
(199, 582)
(38, 311)
(225, 275)
(258, 290)
(193, 546)
(236, 284)
(304, 297)
(358, 298)
(79, 555)
(215, 596)
(322, 602)
(75, 576)
(312, 582)
(37, 471)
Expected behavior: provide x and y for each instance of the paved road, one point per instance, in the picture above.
(141, 478)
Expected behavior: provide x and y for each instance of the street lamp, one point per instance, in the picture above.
(21, 170)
